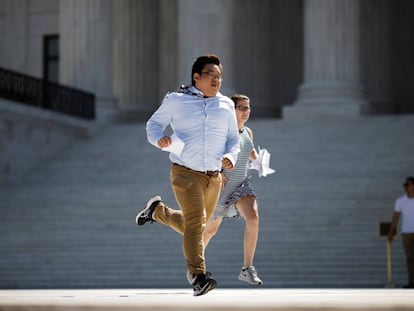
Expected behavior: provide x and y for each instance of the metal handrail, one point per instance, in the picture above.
(36, 92)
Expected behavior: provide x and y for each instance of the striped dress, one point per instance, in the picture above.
(238, 181)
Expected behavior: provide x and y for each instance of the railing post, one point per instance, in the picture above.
(384, 229)
(389, 266)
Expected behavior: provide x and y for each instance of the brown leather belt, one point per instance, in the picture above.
(208, 173)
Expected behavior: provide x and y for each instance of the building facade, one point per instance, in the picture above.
(68, 201)
(341, 56)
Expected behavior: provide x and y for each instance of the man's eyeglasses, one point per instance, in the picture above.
(212, 75)
(243, 108)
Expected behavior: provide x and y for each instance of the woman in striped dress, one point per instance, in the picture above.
(238, 198)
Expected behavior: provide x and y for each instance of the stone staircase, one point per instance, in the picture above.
(70, 223)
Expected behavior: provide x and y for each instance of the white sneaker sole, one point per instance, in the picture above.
(149, 203)
(243, 279)
(208, 287)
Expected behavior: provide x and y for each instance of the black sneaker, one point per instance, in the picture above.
(203, 284)
(146, 214)
(190, 278)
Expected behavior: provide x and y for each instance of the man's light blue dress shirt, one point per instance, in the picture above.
(207, 126)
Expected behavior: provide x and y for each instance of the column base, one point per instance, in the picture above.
(106, 112)
(380, 107)
(320, 100)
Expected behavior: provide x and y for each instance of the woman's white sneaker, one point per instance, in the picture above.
(249, 275)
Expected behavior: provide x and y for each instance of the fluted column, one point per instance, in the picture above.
(331, 83)
(136, 60)
(86, 48)
(14, 54)
(378, 62)
(205, 27)
(167, 47)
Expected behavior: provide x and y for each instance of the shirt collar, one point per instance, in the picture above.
(192, 90)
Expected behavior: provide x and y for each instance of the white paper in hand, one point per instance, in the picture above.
(176, 147)
(261, 164)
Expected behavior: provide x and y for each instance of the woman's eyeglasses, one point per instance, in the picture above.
(243, 108)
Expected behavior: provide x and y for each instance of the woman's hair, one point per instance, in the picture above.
(203, 60)
(238, 97)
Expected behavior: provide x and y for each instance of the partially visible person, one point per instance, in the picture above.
(404, 209)
(238, 199)
(205, 121)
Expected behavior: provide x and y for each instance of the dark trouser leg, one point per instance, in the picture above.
(408, 244)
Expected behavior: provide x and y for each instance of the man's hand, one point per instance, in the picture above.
(164, 142)
(226, 163)
(393, 228)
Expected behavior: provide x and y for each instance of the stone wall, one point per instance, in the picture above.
(30, 136)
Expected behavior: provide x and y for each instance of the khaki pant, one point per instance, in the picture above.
(197, 195)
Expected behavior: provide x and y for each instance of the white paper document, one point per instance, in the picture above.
(176, 147)
(261, 164)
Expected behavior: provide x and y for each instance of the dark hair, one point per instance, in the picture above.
(203, 60)
(238, 97)
(408, 180)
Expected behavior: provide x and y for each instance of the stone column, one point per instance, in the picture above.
(168, 48)
(86, 49)
(377, 62)
(331, 85)
(205, 27)
(136, 60)
(15, 35)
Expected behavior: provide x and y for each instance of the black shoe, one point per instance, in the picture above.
(203, 284)
(146, 214)
(190, 278)
(409, 286)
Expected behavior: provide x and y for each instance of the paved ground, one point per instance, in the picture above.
(219, 299)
